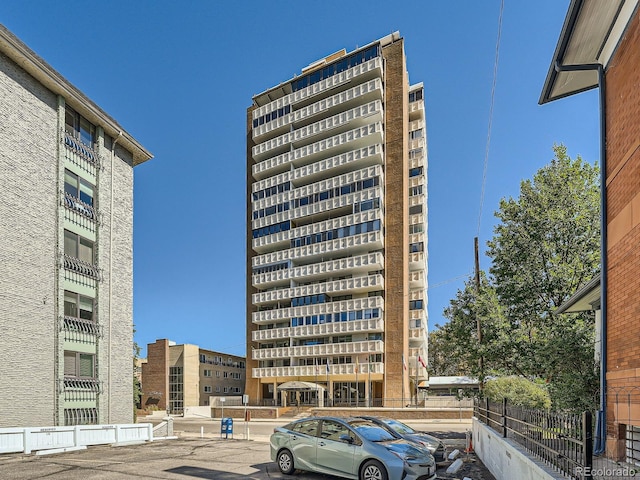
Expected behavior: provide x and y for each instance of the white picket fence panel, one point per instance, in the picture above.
(26, 440)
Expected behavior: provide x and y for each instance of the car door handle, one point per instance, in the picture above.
(321, 444)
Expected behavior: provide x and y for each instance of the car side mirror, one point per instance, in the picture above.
(346, 438)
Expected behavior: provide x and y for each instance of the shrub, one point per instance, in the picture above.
(518, 391)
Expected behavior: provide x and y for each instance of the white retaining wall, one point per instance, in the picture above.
(507, 460)
(26, 440)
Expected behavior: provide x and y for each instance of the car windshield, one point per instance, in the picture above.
(371, 431)
(400, 427)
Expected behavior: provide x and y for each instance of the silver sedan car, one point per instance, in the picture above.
(354, 448)
(399, 429)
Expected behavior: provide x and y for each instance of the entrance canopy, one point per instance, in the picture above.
(297, 385)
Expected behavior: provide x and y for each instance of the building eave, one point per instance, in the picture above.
(591, 31)
(585, 299)
(35, 66)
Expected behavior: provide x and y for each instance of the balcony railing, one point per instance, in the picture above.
(349, 265)
(80, 266)
(320, 350)
(357, 326)
(77, 389)
(78, 206)
(346, 286)
(320, 371)
(372, 133)
(334, 124)
(82, 326)
(317, 309)
(369, 241)
(375, 64)
(84, 151)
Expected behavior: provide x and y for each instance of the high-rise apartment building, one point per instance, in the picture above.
(66, 250)
(337, 222)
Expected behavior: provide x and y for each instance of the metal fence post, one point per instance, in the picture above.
(486, 411)
(504, 417)
(587, 444)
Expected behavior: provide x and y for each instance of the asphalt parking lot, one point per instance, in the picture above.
(189, 456)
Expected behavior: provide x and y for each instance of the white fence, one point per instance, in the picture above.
(26, 440)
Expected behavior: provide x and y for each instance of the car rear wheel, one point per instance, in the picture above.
(285, 462)
(373, 470)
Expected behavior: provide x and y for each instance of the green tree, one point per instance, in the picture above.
(137, 388)
(545, 247)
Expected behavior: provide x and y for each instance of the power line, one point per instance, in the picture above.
(493, 93)
(449, 280)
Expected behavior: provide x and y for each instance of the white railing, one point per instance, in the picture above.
(320, 350)
(26, 440)
(323, 85)
(372, 133)
(310, 370)
(342, 266)
(356, 326)
(347, 286)
(318, 309)
(368, 110)
(371, 240)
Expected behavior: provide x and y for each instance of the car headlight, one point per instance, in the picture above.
(404, 458)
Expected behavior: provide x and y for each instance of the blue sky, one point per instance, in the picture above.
(179, 75)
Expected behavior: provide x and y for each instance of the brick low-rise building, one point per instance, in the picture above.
(599, 46)
(66, 249)
(178, 376)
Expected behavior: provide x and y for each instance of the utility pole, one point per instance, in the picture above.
(478, 326)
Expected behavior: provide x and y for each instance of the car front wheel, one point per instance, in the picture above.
(285, 462)
(373, 470)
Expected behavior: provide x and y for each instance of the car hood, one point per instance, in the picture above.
(406, 448)
(432, 443)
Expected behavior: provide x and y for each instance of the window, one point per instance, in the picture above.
(414, 96)
(416, 305)
(415, 209)
(81, 365)
(78, 188)
(413, 191)
(217, 389)
(226, 375)
(207, 389)
(333, 430)
(218, 373)
(77, 246)
(79, 127)
(78, 306)
(633, 444)
(207, 373)
(415, 134)
(309, 427)
(416, 228)
(416, 247)
(414, 172)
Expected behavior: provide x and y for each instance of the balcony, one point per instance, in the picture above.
(279, 314)
(317, 252)
(76, 265)
(363, 93)
(416, 279)
(282, 240)
(355, 117)
(416, 260)
(366, 283)
(357, 326)
(83, 155)
(335, 145)
(82, 209)
(343, 266)
(417, 334)
(80, 330)
(416, 110)
(357, 74)
(321, 350)
(311, 371)
(77, 389)
(332, 166)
